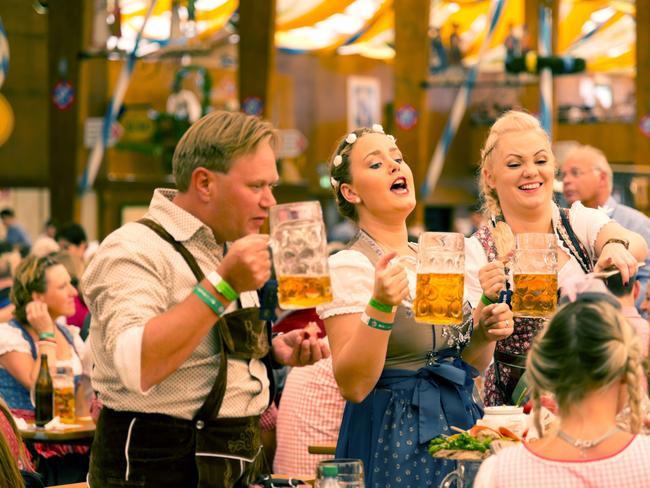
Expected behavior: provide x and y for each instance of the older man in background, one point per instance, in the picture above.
(587, 176)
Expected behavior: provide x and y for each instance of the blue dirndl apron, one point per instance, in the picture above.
(408, 408)
(13, 392)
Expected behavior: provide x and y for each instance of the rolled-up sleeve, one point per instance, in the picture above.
(124, 310)
(141, 293)
(127, 358)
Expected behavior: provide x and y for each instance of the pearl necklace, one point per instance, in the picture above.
(584, 444)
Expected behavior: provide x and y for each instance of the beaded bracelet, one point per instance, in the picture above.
(209, 299)
(382, 307)
(43, 336)
(374, 323)
(486, 301)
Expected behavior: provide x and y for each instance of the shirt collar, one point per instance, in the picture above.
(609, 207)
(181, 224)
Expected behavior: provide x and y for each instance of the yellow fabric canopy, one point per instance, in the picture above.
(601, 31)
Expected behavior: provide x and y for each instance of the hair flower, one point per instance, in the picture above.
(351, 138)
(377, 128)
(333, 182)
(337, 160)
(391, 138)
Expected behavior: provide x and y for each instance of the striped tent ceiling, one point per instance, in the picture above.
(602, 32)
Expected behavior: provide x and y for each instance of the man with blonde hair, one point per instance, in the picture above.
(587, 177)
(181, 355)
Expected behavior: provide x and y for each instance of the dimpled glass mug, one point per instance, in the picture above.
(440, 278)
(349, 473)
(299, 244)
(534, 275)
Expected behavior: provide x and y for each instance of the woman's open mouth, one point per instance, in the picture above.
(399, 186)
(531, 187)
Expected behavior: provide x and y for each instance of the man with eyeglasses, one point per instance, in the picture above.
(586, 176)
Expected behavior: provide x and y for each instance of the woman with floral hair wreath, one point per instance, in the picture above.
(405, 382)
(516, 184)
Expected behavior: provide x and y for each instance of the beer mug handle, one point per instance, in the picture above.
(408, 301)
(451, 477)
(405, 259)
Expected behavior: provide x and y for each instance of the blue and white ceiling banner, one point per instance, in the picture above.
(97, 153)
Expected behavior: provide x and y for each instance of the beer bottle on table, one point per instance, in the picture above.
(44, 394)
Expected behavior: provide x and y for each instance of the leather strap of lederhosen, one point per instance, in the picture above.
(248, 327)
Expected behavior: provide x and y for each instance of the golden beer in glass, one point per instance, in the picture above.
(534, 275)
(64, 392)
(299, 245)
(304, 291)
(64, 404)
(440, 281)
(535, 295)
(439, 298)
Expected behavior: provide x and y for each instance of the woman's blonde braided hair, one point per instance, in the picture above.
(511, 121)
(587, 346)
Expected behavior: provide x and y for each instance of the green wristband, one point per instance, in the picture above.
(382, 307)
(226, 290)
(44, 336)
(485, 300)
(374, 323)
(209, 299)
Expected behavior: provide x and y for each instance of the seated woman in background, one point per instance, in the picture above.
(41, 293)
(75, 266)
(588, 358)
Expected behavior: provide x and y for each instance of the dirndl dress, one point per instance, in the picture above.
(425, 389)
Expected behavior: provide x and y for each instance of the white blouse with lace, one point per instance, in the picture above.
(353, 280)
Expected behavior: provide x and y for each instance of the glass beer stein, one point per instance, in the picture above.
(299, 246)
(64, 392)
(440, 278)
(349, 473)
(534, 275)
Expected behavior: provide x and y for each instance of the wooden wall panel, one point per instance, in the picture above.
(642, 155)
(65, 43)
(256, 50)
(24, 157)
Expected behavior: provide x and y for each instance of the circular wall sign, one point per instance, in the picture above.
(406, 117)
(644, 125)
(62, 95)
(253, 106)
